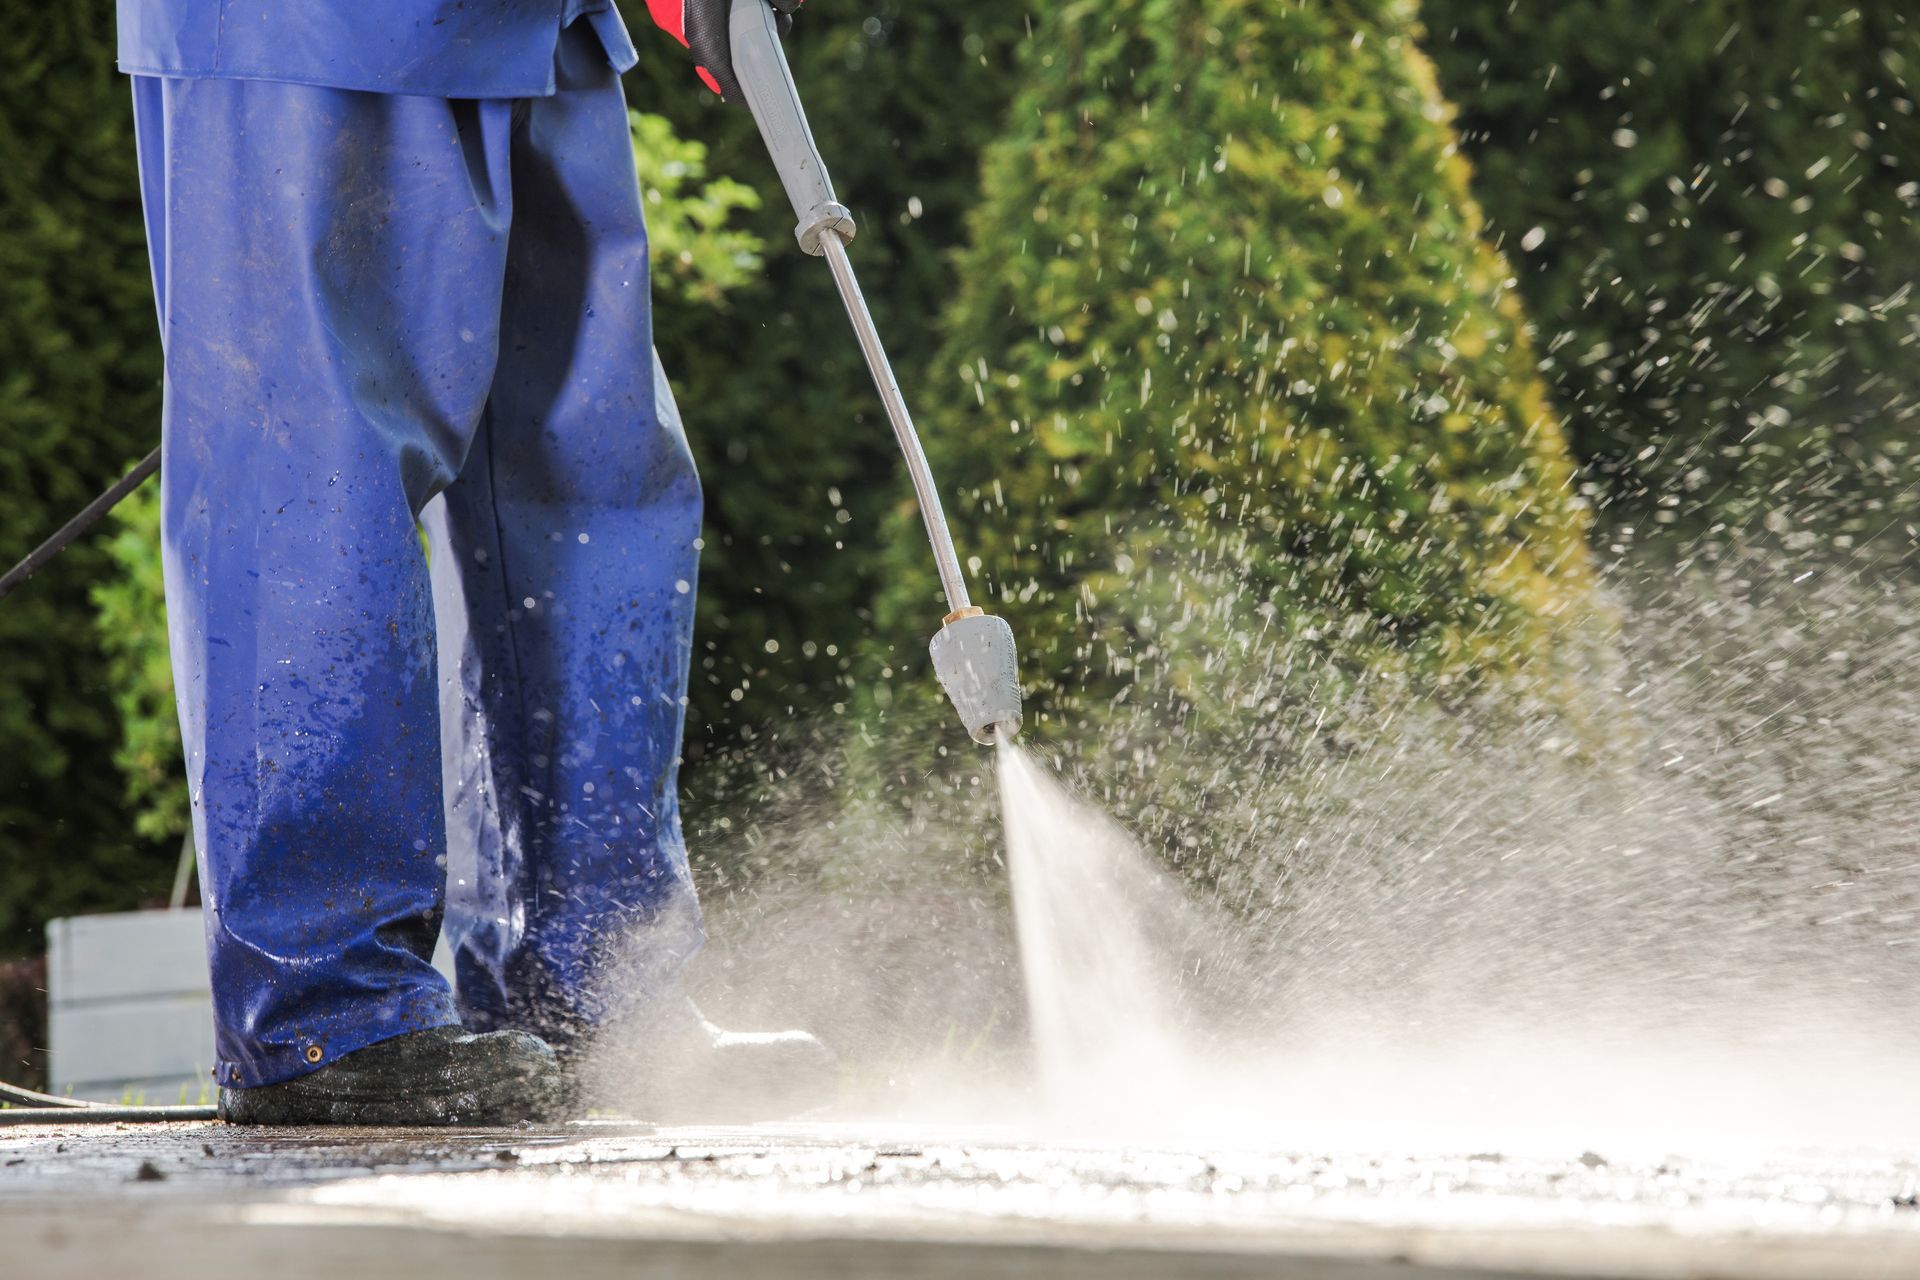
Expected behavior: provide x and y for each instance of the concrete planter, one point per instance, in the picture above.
(129, 1008)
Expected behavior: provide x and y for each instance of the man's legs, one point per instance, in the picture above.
(329, 267)
(564, 568)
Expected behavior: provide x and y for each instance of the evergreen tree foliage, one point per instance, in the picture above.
(79, 398)
(1714, 208)
(1235, 400)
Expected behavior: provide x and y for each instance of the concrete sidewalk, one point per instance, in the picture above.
(591, 1199)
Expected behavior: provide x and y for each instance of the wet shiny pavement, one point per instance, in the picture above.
(595, 1199)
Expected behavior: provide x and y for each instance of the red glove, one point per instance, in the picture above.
(701, 25)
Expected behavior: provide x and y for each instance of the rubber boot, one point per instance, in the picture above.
(439, 1076)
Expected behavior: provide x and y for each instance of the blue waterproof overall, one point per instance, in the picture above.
(402, 281)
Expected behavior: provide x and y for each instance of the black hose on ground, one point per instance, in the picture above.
(88, 517)
(103, 1115)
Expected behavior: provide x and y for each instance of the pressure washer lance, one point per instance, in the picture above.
(973, 652)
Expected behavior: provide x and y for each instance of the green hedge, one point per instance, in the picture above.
(1236, 404)
(79, 400)
(1713, 209)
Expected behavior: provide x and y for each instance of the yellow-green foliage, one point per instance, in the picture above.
(697, 254)
(132, 624)
(1232, 370)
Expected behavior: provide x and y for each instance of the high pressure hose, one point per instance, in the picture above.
(25, 1106)
(88, 517)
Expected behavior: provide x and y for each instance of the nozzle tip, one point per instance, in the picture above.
(989, 735)
(973, 654)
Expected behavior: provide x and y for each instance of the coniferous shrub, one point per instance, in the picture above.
(1236, 411)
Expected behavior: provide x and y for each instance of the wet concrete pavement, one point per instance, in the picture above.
(601, 1199)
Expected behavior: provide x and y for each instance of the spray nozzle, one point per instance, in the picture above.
(973, 655)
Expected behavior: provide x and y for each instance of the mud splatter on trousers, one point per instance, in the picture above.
(384, 313)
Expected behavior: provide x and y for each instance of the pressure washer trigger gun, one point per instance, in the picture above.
(973, 652)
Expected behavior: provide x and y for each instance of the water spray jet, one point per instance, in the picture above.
(973, 652)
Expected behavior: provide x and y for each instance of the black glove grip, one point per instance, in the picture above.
(709, 39)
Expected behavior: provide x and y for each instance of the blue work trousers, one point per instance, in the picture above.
(384, 314)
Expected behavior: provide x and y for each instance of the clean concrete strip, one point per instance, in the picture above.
(104, 1239)
(596, 1199)
(172, 1242)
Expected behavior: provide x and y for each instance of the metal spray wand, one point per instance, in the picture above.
(973, 652)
